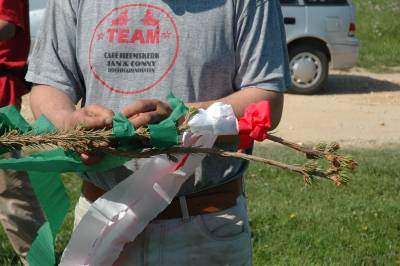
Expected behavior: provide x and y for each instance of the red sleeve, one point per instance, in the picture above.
(13, 11)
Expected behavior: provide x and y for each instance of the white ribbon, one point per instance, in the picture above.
(122, 213)
(219, 118)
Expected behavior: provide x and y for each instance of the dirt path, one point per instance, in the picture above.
(357, 108)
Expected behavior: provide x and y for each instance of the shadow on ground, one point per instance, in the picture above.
(353, 84)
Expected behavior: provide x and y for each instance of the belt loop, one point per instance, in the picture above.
(242, 186)
(184, 208)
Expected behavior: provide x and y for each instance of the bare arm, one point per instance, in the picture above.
(148, 111)
(53, 103)
(61, 111)
(59, 108)
(241, 99)
(144, 112)
(7, 30)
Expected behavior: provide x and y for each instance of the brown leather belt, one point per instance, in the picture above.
(208, 201)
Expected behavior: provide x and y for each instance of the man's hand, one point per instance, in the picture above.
(91, 116)
(61, 110)
(144, 112)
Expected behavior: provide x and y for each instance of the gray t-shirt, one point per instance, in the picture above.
(113, 52)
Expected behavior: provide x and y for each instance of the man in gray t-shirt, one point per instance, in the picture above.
(127, 55)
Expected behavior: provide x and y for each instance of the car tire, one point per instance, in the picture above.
(309, 68)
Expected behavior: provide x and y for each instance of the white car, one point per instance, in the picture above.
(319, 33)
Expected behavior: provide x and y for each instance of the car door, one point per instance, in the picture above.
(334, 15)
(294, 17)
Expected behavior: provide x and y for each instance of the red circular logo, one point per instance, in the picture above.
(133, 48)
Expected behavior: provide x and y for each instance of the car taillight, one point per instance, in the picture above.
(352, 29)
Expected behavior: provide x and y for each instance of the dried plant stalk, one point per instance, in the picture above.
(75, 139)
(92, 141)
(79, 139)
(308, 170)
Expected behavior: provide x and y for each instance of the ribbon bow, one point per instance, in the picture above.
(254, 124)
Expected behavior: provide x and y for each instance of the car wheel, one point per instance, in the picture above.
(308, 69)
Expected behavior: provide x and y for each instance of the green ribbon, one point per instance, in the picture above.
(165, 134)
(122, 129)
(42, 249)
(44, 168)
(47, 186)
(50, 189)
(11, 119)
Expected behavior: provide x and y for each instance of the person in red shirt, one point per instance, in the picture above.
(20, 212)
(14, 50)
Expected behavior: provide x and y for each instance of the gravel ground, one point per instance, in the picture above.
(357, 108)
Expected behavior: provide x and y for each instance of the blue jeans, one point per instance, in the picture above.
(221, 238)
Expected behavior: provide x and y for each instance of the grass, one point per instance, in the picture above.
(319, 225)
(378, 29)
(324, 225)
(7, 255)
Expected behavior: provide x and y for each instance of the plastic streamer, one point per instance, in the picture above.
(47, 184)
(117, 217)
(122, 213)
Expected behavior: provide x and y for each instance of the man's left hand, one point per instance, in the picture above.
(144, 112)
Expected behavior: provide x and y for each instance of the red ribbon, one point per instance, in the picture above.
(254, 124)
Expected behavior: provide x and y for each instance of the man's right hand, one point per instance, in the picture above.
(91, 116)
(60, 110)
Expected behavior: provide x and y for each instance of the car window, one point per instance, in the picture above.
(326, 2)
(289, 2)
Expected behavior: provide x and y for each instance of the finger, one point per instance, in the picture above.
(100, 111)
(90, 159)
(144, 119)
(87, 121)
(140, 106)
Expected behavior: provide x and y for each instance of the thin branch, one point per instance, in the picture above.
(83, 140)
(214, 151)
(295, 146)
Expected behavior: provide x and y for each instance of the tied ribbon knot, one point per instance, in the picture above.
(254, 124)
